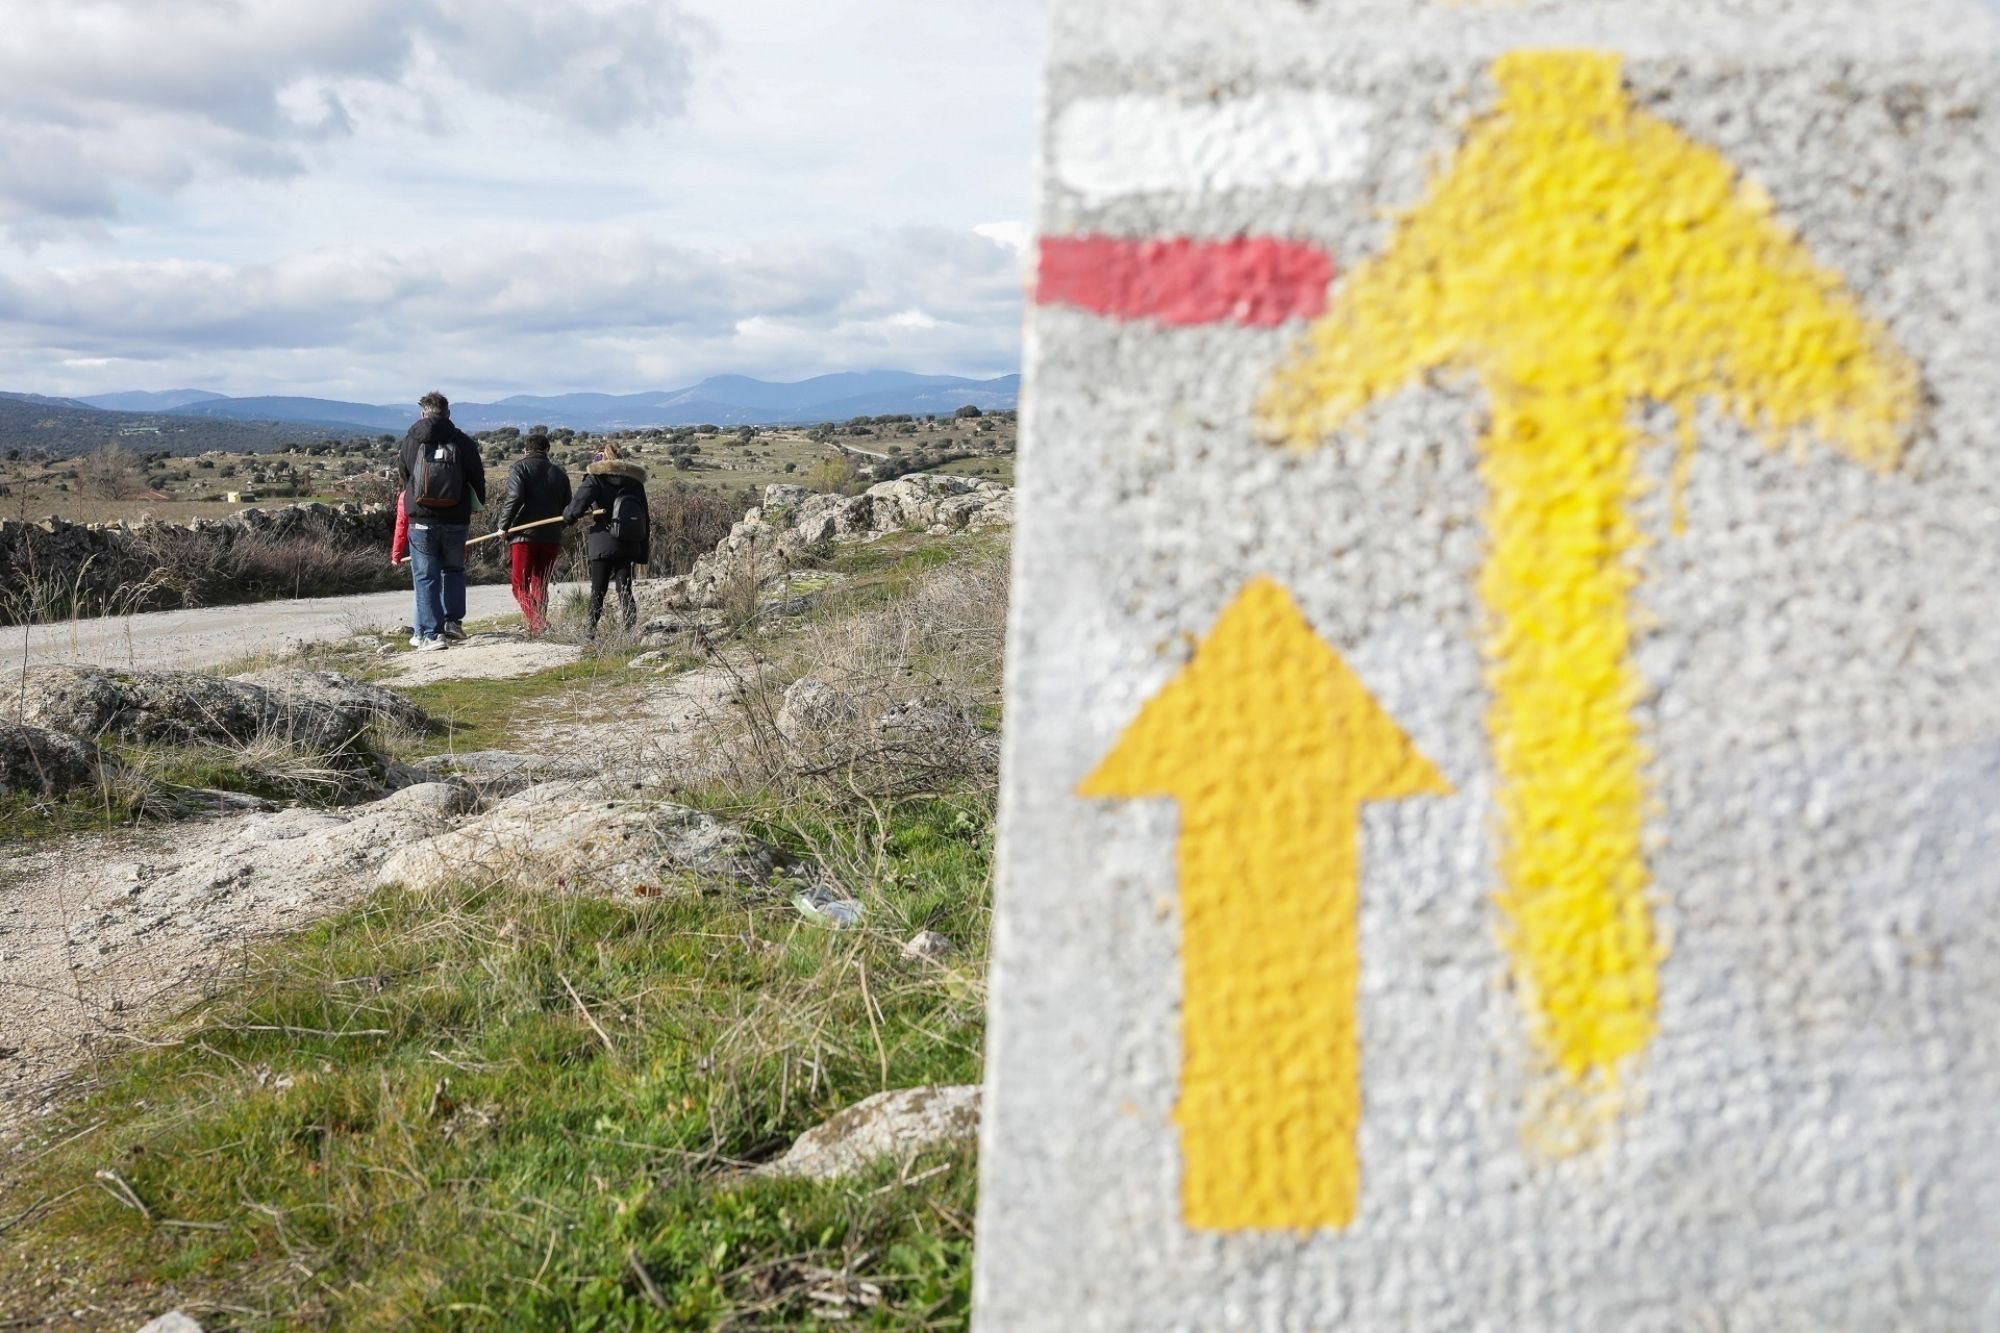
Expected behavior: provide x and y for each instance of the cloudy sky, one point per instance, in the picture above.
(366, 198)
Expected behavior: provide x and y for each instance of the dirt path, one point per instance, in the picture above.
(188, 640)
(104, 936)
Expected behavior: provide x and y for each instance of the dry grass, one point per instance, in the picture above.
(900, 697)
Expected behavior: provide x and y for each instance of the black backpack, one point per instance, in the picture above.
(628, 517)
(440, 479)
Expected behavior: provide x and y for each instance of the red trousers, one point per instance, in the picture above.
(532, 561)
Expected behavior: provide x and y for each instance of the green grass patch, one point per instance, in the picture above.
(488, 714)
(492, 1108)
(29, 817)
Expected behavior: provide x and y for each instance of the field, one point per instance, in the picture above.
(129, 486)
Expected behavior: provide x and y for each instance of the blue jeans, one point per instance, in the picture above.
(437, 569)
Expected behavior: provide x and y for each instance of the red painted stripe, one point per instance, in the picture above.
(1255, 281)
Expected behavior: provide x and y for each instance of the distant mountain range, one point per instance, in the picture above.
(189, 420)
(66, 427)
(142, 400)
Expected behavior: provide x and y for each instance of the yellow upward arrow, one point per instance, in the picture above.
(1580, 256)
(1270, 744)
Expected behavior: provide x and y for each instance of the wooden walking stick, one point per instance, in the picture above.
(522, 527)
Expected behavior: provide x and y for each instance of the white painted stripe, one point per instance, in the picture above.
(1107, 147)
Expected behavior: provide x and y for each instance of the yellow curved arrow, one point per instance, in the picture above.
(1270, 744)
(1577, 257)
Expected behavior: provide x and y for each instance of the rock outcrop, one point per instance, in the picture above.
(792, 521)
(182, 707)
(319, 711)
(370, 704)
(584, 837)
(37, 761)
(290, 866)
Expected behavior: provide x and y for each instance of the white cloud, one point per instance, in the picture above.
(349, 197)
(567, 311)
(102, 96)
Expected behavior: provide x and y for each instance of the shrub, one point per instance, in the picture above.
(688, 522)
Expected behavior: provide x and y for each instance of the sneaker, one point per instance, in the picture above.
(433, 645)
(416, 641)
(454, 631)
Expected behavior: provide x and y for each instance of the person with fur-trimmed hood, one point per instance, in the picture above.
(619, 531)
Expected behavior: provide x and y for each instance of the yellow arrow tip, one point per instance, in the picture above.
(1579, 247)
(1264, 698)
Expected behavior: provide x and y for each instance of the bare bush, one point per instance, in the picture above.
(110, 472)
(887, 701)
(688, 522)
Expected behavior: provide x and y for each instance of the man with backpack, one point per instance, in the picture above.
(442, 479)
(537, 490)
(620, 533)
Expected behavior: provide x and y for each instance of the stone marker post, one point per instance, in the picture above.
(1501, 821)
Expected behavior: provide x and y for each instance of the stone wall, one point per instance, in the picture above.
(56, 568)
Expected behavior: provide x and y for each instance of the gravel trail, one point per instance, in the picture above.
(189, 640)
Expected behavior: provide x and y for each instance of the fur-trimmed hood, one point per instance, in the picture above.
(619, 467)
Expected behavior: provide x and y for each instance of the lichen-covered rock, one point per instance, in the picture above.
(811, 708)
(498, 774)
(181, 707)
(584, 837)
(367, 704)
(775, 536)
(47, 763)
(889, 1124)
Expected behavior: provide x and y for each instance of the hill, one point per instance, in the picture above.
(148, 400)
(724, 400)
(29, 423)
(324, 412)
(188, 421)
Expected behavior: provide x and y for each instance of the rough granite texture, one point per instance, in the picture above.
(1807, 1138)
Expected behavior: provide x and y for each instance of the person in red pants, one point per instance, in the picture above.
(537, 489)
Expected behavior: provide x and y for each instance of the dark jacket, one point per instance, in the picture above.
(600, 490)
(436, 430)
(536, 489)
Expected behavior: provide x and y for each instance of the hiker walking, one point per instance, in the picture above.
(612, 500)
(537, 491)
(442, 478)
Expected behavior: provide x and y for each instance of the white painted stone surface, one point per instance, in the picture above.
(1813, 1140)
(1106, 147)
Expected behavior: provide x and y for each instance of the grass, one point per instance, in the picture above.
(29, 817)
(500, 1107)
(489, 714)
(505, 1105)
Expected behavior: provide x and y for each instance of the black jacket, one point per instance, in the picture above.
(600, 490)
(436, 430)
(536, 489)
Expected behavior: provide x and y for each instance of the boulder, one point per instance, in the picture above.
(928, 945)
(781, 497)
(914, 719)
(173, 1321)
(366, 704)
(890, 1124)
(180, 707)
(583, 836)
(912, 501)
(44, 762)
(810, 709)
